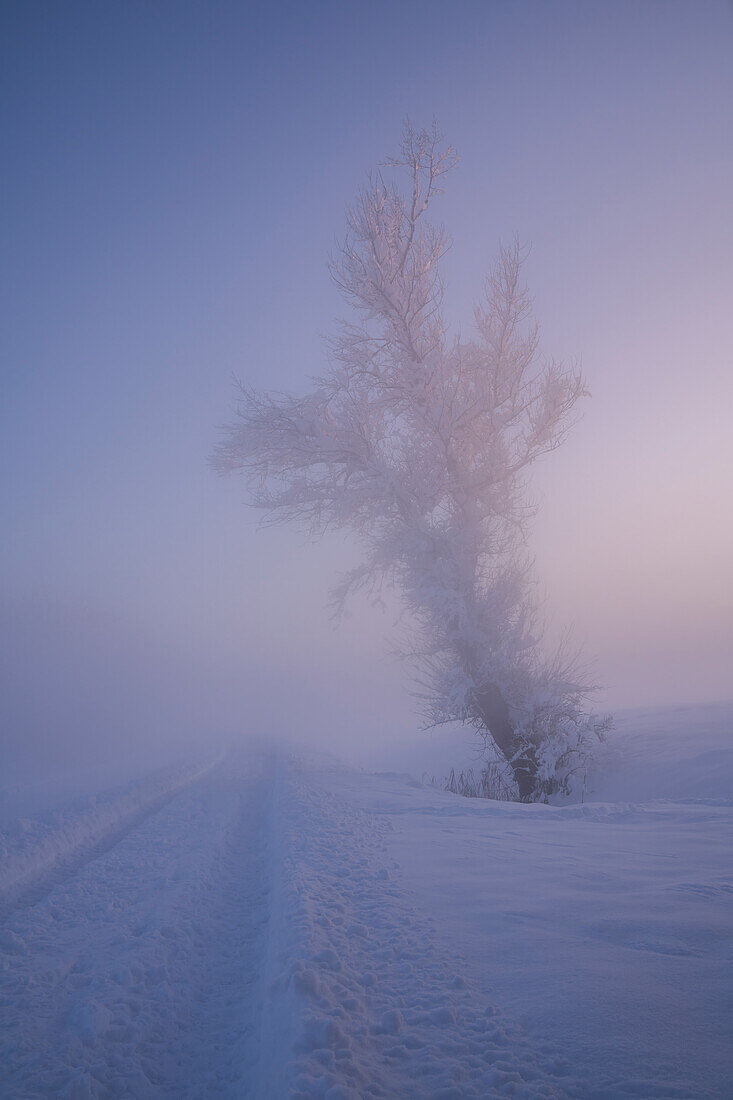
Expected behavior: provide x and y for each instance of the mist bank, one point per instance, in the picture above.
(88, 700)
(88, 697)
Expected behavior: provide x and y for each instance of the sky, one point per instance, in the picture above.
(174, 178)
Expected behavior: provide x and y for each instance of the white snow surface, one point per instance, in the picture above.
(281, 924)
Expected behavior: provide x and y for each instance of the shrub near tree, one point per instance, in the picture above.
(420, 441)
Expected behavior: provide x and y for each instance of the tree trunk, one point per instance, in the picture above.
(494, 713)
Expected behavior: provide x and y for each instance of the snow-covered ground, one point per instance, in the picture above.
(277, 923)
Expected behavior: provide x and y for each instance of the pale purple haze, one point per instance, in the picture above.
(175, 177)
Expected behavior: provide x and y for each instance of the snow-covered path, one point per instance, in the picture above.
(244, 936)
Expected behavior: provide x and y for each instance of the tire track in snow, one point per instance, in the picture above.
(142, 974)
(216, 1049)
(34, 870)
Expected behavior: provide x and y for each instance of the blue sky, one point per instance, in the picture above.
(175, 175)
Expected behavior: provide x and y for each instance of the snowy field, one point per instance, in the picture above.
(274, 923)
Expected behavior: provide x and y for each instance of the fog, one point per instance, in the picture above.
(177, 177)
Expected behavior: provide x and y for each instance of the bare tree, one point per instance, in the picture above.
(420, 441)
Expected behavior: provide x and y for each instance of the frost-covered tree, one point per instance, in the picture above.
(420, 441)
